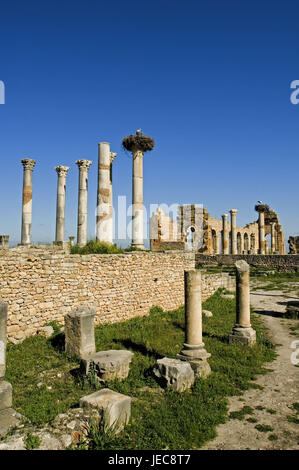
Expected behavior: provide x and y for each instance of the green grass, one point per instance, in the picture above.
(159, 419)
(264, 428)
(31, 442)
(93, 247)
(246, 410)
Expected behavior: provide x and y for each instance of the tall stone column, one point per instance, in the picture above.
(242, 331)
(193, 349)
(60, 206)
(273, 247)
(138, 144)
(104, 196)
(5, 387)
(233, 217)
(225, 247)
(28, 165)
(261, 233)
(3, 328)
(83, 166)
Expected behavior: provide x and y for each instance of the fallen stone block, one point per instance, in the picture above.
(243, 335)
(175, 374)
(207, 313)
(116, 407)
(108, 365)
(9, 419)
(46, 331)
(5, 395)
(227, 296)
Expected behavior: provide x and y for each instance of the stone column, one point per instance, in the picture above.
(104, 196)
(137, 200)
(225, 248)
(233, 224)
(27, 201)
(5, 387)
(273, 247)
(79, 331)
(71, 240)
(60, 206)
(4, 242)
(261, 233)
(83, 166)
(193, 349)
(242, 331)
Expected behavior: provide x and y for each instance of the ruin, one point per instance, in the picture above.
(210, 235)
(60, 206)
(293, 245)
(28, 166)
(83, 166)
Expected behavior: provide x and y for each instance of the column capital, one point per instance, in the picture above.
(112, 156)
(61, 170)
(83, 164)
(233, 211)
(28, 164)
(224, 216)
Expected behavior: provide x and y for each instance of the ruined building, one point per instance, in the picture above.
(194, 229)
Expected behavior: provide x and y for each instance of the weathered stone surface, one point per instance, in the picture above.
(108, 365)
(175, 374)
(243, 335)
(5, 395)
(201, 368)
(115, 406)
(9, 418)
(79, 331)
(228, 296)
(46, 331)
(3, 328)
(207, 313)
(292, 310)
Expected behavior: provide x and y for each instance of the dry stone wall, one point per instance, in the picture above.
(280, 263)
(40, 286)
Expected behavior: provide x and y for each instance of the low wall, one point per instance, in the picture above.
(42, 286)
(282, 263)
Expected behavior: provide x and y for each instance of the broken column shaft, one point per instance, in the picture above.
(242, 331)
(60, 206)
(28, 165)
(273, 244)
(83, 166)
(193, 349)
(261, 233)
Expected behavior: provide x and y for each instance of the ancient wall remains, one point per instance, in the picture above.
(41, 285)
(281, 263)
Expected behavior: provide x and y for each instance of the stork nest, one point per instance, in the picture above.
(262, 208)
(138, 142)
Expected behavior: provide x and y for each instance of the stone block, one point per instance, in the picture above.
(292, 310)
(108, 365)
(175, 374)
(9, 418)
(243, 335)
(5, 395)
(207, 313)
(79, 331)
(116, 407)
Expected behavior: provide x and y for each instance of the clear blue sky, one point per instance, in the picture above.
(209, 80)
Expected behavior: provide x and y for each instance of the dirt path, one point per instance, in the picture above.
(280, 388)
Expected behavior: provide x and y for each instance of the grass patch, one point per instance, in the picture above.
(293, 419)
(264, 428)
(94, 247)
(159, 420)
(272, 437)
(246, 410)
(31, 441)
(270, 411)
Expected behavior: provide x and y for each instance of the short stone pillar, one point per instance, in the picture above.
(273, 244)
(79, 332)
(233, 223)
(225, 247)
(261, 233)
(104, 196)
(28, 166)
(193, 349)
(60, 206)
(4, 242)
(83, 166)
(71, 240)
(242, 331)
(5, 387)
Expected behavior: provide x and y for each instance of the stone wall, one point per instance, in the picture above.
(43, 285)
(282, 263)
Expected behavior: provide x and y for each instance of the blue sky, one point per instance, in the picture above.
(210, 81)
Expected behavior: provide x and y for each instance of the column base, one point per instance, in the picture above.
(244, 335)
(197, 357)
(139, 246)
